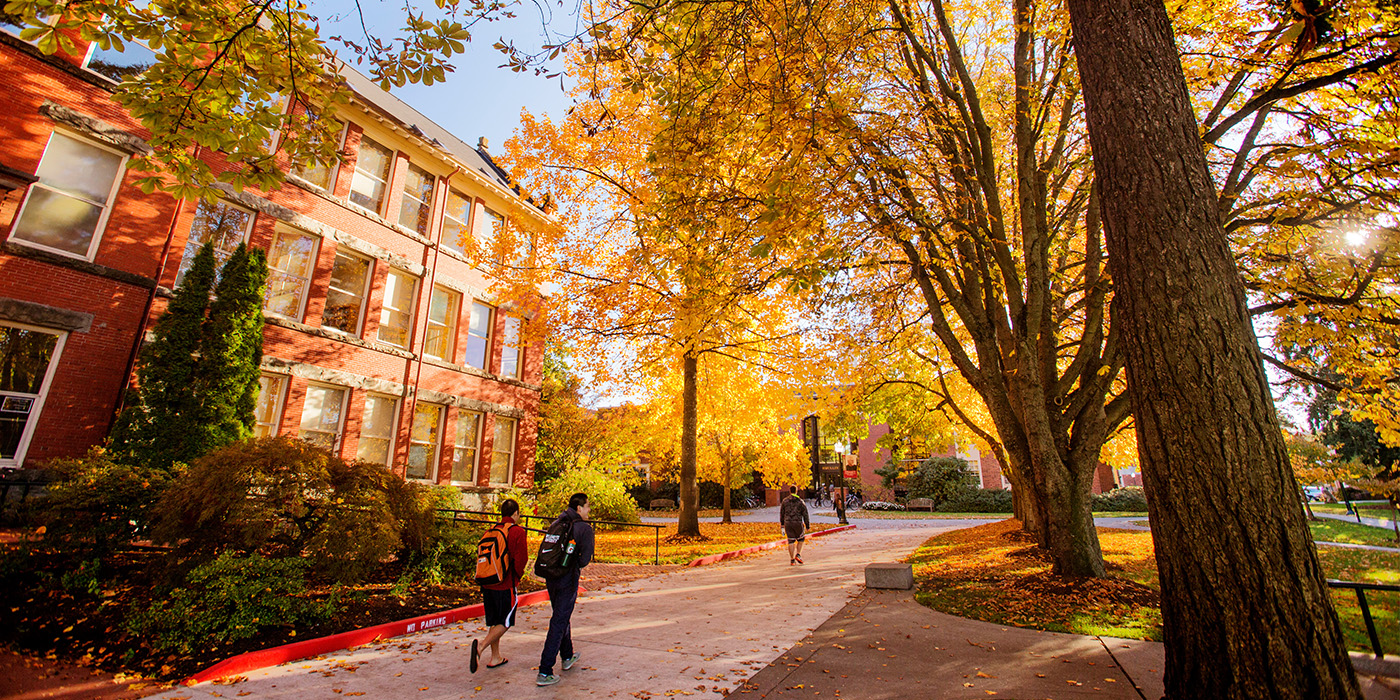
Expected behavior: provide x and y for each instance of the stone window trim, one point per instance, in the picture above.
(344, 203)
(317, 228)
(42, 316)
(333, 334)
(343, 379)
(94, 128)
(465, 369)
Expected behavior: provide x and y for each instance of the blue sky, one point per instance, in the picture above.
(479, 98)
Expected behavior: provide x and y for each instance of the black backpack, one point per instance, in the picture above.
(555, 549)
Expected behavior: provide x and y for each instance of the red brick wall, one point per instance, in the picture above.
(92, 367)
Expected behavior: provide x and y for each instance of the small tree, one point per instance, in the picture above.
(197, 382)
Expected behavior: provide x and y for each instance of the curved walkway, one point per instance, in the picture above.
(700, 631)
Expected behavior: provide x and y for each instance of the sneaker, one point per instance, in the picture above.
(546, 679)
(569, 662)
(798, 560)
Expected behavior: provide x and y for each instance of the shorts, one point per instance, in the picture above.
(500, 607)
(794, 531)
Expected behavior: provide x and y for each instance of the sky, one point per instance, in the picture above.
(479, 98)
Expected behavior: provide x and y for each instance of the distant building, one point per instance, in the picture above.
(383, 340)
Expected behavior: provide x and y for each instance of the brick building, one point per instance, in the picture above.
(383, 341)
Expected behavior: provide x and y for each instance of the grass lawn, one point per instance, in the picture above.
(912, 515)
(1327, 530)
(704, 513)
(638, 545)
(996, 573)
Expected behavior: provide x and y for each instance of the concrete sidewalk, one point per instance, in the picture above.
(699, 632)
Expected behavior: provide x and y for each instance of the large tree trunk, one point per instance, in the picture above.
(727, 518)
(688, 521)
(1246, 610)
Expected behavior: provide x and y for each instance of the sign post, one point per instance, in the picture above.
(811, 438)
(848, 462)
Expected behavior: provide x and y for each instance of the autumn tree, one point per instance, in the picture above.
(573, 434)
(1214, 463)
(223, 71)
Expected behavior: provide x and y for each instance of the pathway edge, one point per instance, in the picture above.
(715, 558)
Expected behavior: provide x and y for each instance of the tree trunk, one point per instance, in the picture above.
(1245, 606)
(688, 521)
(727, 519)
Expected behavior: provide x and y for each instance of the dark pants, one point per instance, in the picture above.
(563, 593)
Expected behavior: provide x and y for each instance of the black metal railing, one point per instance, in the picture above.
(1361, 589)
(493, 518)
(25, 488)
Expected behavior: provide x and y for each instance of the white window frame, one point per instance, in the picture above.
(454, 314)
(495, 450)
(306, 283)
(365, 290)
(466, 226)
(340, 425)
(187, 259)
(388, 176)
(408, 312)
(92, 49)
(404, 197)
(107, 206)
(475, 447)
(334, 173)
(280, 405)
(517, 347)
(393, 427)
(435, 459)
(22, 449)
(490, 326)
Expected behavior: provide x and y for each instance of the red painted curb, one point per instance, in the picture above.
(263, 658)
(713, 558)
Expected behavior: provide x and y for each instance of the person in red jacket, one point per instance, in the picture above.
(500, 598)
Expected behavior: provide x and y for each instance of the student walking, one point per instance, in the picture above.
(499, 569)
(795, 522)
(566, 549)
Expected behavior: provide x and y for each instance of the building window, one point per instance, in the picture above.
(118, 64)
(345, 300)
(456, 220)
(321, 416)
(68, 206)
(289, 265)
(322, 175)
(478, 336)
(221, 224)
(442, 323)
(371, 175)
(492, 236)
(377, 429)
(423, 441)
(417, 202)
(396, 316)
(510, 347)
(464, 448)
(267, 414)
(28, 357)
(503, 450)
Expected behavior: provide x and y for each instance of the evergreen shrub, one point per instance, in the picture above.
(97, 505)
(979, 501)
(1128, 499)
(881, 505)
(228, 599)
(608, 498)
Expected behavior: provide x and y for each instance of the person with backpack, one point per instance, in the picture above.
(794, 519)
(501, 556)
(566, 548)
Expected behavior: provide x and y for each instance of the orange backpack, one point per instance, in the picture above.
(492, 557)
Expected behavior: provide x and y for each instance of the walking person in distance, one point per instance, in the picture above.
(793, 516)
(567, 548)
(501, 558)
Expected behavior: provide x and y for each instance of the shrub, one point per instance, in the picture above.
(881, 505)
(1128, 499)
(284, 498)
(979, 501)
(228, 599)
(608, 498)
(938, 479)
(97, 505)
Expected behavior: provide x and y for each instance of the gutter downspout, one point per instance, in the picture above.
(428, 301)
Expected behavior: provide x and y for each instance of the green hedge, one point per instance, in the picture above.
(978, 501)
(1129, 499)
